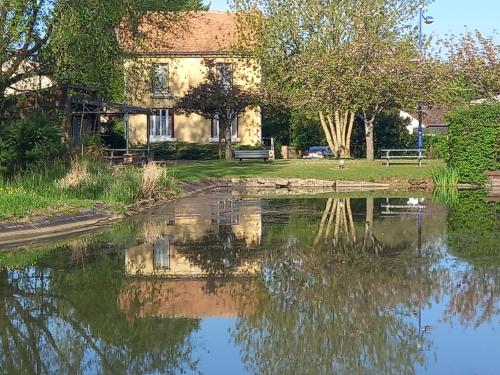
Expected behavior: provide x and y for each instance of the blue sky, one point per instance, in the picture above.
(449, 15)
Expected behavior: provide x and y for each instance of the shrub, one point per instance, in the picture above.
(474, 140)
(258, 146)
(184, 151)
(37, 139)
(437, 146)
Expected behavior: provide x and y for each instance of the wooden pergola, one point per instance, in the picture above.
(80, 106)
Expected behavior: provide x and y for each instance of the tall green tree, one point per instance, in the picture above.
(73, 40)
(317, 56)
(85, 46)
(25, 29)
(474, 60)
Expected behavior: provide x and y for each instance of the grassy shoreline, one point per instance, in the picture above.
(62, 188)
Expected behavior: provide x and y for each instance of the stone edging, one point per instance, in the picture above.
(298, 183)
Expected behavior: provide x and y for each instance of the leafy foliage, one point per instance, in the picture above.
(85, 47)
(437, 146)
(389, 132)
(473, 228)
(36, 139)
(184, 151)
(333, 58)
(474, 140)
(217, 98)
(305, 131)
(25, 31)
(475, 66)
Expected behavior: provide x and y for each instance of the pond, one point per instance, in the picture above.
(224, 283)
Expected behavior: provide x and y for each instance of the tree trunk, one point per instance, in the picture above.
(227, 132)
(370, 152)
(220, 145)
(337, 127)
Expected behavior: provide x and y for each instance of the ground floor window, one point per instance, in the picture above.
(215, 128)
(161, 126)
(161, 253)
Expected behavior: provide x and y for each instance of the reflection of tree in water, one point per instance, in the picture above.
(219, 253)
(55, 321)
(337, 226)
(336, 299)
(332, 313)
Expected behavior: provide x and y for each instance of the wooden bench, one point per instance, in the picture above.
(120, 156)
(396, 154)
(251, 154)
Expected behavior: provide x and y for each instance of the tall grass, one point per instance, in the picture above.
(447, 196)
(64, 186)
(445, 177)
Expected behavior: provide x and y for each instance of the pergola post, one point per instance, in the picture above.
(125, 118)
(148, 132)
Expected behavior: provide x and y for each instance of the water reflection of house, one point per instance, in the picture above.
(163, 259)
(192, 220)
(164, 297)
(174, 284)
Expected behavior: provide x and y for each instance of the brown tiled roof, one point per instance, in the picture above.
(433, 116)
(195, 32)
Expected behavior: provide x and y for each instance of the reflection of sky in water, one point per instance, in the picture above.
(215, 349)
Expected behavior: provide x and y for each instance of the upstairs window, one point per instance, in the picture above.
(224, 73)
(159, 84)
(161, 127)
(215, 128)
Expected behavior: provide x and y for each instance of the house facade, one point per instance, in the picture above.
(166, 64)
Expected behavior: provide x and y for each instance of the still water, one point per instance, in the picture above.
(228, 284)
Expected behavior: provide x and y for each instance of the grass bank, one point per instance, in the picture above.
(354, 170)
(66, 187)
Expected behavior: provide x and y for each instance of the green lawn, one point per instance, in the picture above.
(355, 170)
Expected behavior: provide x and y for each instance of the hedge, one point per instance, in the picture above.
(437, 146)
(192, 151)
(474, 140)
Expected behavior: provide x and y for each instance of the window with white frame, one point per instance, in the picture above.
(161, 253)
(215, 128)
(159, 80)
(161, 126)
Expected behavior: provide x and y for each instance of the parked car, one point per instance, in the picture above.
(318, 152)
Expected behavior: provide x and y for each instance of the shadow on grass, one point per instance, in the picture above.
(195, 171)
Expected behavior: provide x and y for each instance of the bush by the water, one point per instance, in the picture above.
(474, 140)
(80, 184)
(34, 140)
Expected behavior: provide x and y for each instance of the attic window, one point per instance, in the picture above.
(159, 79)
